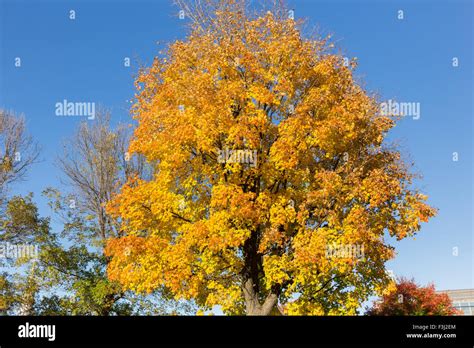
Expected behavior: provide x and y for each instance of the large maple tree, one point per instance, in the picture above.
(249, 234)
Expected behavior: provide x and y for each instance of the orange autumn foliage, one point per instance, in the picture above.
(408, 298)
(248, 233)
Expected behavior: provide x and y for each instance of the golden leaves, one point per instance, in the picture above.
(323, 176)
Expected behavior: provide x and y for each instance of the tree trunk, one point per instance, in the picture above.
(253, 305)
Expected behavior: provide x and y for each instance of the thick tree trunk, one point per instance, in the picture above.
(252, 273)
(253, 305)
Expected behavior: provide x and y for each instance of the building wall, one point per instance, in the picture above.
(462, 299)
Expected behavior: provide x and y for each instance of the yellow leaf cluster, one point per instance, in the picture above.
(323, 176)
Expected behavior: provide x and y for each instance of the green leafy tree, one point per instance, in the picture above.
(68, 276)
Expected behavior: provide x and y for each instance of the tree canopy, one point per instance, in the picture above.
(55, 265)
(409, 298)
(267, 152)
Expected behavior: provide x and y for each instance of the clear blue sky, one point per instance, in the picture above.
(407, 60)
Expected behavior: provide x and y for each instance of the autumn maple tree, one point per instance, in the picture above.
(249, 236)
(409, 298)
